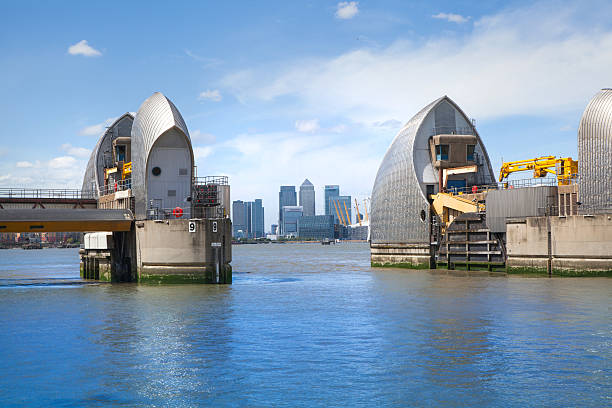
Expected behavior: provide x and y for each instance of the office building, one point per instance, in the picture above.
(331, 192)
(290, 215)
(286, 197)
(248, 219)
(341, 205)
(257, 219)
(316, 227)
(307, 198)
(239, 219)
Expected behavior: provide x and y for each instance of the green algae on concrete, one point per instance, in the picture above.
(405, 265)
(569, 273)
(225, 277)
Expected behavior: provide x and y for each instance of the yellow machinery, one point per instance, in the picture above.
(449, 206)
(127, 170)
(566, 169)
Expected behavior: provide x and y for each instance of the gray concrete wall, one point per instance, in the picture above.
(580, 243)
(167, 249)
(404, 255)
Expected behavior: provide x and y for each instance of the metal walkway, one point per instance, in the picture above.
(13, 198)
(64, 220)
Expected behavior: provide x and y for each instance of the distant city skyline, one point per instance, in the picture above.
(305, 197)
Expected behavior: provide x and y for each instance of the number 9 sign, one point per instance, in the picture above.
(192, 226)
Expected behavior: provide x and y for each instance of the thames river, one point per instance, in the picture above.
(302, 325)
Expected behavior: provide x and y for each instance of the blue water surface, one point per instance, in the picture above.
(302, 326)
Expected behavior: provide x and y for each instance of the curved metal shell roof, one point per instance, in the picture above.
(94, 172)
(398, 196)
(155, 117)
(595, 153)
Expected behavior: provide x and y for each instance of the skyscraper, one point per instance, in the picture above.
(291, 215)
(307, 198)
(286, 197)
(316, 227)
(332, 191)
(248, 219)
(344, 206)
(257, 219)
(239, 219)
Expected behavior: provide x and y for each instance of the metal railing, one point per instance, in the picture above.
(451, 130)
(155, 213)
(40, 193)
(529, 182)
(218, 180)
(119, 185)
(508, 185)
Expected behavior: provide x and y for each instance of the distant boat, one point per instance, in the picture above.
(325, 241)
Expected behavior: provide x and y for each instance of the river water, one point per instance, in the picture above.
(302, 325)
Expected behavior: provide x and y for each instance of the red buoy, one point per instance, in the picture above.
(177, 212)
(474, 189)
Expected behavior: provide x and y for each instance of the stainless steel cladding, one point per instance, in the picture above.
(518, 203)
(101, 156)
(595, 154)
(400, 209)
(156, 117)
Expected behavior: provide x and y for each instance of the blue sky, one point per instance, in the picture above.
(275, 92)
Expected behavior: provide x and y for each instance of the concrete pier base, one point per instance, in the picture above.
(96, 265)
(572, 245)
(413, 256)
(162, 251)
(168, 251)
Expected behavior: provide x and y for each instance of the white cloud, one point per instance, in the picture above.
(210, 95)
(208, 62)
(63, 162)
(59, 172)
(6, 177)
(346, 10)
(530, 61)
(80, 152)
(202, 152)
(97, 129)
(307, 126)
(390, 124)
(338, 128)
(452, 18)
(199, 136)
(82, 48)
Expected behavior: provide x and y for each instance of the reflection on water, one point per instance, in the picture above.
(302, 325)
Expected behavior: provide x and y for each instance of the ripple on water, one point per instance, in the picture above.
(303, 325)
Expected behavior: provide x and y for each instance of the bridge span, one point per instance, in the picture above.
(53, 210)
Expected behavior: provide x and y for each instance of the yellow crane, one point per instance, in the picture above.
(565, 168)
(338, 213)
(358, 215)
(348, 219)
